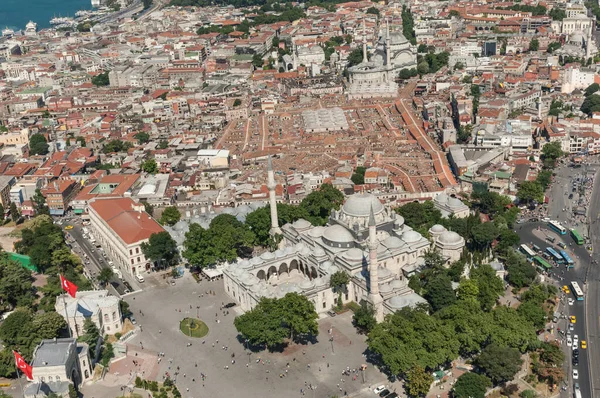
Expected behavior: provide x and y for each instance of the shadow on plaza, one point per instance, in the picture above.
(279, 348)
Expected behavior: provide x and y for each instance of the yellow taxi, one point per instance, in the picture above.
(565, 288)
(567, 291)
(583, 344)
(573, 319)
(68, 227)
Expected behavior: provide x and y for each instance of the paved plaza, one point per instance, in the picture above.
(158, 310)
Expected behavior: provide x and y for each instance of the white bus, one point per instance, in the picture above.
(577, 290)
(555, 225)
(527, 251)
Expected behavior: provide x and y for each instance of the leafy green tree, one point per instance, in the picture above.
(534, 45)
(355, 57)
(591, 104)
(439, 292)
(39, 203)
(420, 215)
(107, 355)
(520, 272)
(498, 363)
(490, 286)
(117, 146)
(161, 248)
(552, 150)
(226, 239)
(90, 334)
(15, 285)
(484, 234)
(257, 61)
(471, 385)
(339, 281)
(358, 179)
(147, 4)
(591, 89)
(418, 382)
(105, 276)
(150, 166)
(163, 144)
(259, 221)
(318, 204)
(557, 14)
(237, 102)
(101, 79)
(423, 68)
(7, 366)
(148, 208)
(142, 137)
(261, 326)
(533, 313)
(364, 317)
(14, 212)
(298, 315)
(170, 216)
(72, 391)
(412, 337)
(38, 144)
(372, 10)
(555, 45)
(530, 190)
(510, 329)
(468, 289)
(544, 178)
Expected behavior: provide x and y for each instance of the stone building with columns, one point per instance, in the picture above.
(364, 239)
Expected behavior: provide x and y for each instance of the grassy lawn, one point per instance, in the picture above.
(193, 327)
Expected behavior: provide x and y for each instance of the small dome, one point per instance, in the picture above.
(385, 288)
(267, 256)
(437, 228)
(455, 202)
(359, 205)
(333, 269)
(383, 272)
(301, 224)
(305, 251)
(354, 254)
(289, 249)
(442, 198)
(316, 232)
(398, 302)
(256, 260)
(393, 242)
(450, 238)
(411, 236)
(397, 284)
(245, 264)
(306, 285)
(338, 234)
(325, 266)
(399, 221)
(279, 253)
(381, 249)
(319, 252)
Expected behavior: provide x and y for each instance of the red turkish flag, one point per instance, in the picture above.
(68, 286)
(23, 366)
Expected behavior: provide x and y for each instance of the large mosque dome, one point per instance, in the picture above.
(359, 205)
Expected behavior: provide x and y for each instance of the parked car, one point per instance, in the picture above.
(379, 389)
(384, 393)
(331, 313)
(575, 374)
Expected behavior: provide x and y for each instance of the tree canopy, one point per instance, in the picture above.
(170, 216)
(471, 385)
(117, 146)
(530, 190)
(38, 144)
(142, 137)
(498, 363)
(226, 239)
(101, 79)
(271, 321)
(150, 166)
(161, 248)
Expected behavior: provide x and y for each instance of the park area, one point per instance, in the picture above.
(192, 327)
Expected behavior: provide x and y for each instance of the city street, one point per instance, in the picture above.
(93, 259)
(561, 208)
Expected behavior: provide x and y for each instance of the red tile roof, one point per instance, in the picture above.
(130, 225)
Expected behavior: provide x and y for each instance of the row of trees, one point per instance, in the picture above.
(534, 190)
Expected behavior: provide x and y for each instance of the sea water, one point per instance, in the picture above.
(15, 14)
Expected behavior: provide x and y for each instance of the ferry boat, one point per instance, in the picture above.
(60, 20)
(8, 32)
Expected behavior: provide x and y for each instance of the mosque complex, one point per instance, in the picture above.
(364, 239)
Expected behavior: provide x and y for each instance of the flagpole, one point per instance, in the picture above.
(19, 378)
(67, 315)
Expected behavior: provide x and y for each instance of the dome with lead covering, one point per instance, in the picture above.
(338, 234)
(450, 238)
(411, 236)
(359, 205)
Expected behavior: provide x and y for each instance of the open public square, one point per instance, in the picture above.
(328, 367)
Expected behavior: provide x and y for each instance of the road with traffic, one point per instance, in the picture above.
(566, 194)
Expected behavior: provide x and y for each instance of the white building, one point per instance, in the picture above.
(96, 305)
(56, 364)
(577, 78)
(121, 226)
(514, 134)
(450, 206)
(363, 239)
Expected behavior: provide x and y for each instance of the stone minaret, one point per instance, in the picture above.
(388, 50)
(275, 230)
(374, 296)
(588, 41)
(364, 37)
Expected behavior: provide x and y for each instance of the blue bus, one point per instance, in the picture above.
(557, 257)
(555, 225)
(568, 259)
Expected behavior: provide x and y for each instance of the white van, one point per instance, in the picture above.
(139, 278)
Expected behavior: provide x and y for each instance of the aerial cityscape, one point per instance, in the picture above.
(300, 199)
